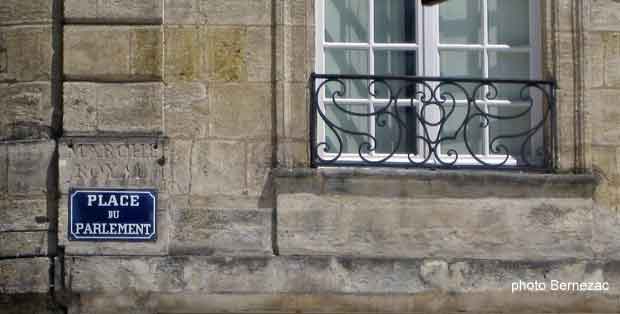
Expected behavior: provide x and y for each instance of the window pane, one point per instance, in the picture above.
(509, 22)
(510, 65)
(460, 22)
(475, 133)
(349, 122)
(387, 128)
(346, 20)
(502, 130)
(347, 61)
(461, 64)
(395, 62)
(395, 21)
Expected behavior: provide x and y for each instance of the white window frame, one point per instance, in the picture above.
(427, 49)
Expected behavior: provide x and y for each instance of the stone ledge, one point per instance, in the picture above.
(433, 302)
(421, 183)
(341, 284)
(487, 228)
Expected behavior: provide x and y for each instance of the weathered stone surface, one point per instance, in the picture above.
(217, 167)
(4, 170)
(294, 48)
(595, 60)
(294, 102)
(85, 9)
(25, 12)
(259, 163)
(144, 248)
(112, 52)
(226, 53)
(240, 110)
(230, 232)
(186, 108)
(146, 59)
(612, 58)
(24, 275)
(293, 153)
(80, 107)
(221, 201)
(607, 222)
(28, 166)
(602, 15)
(23, 243)
(27, 111)
(4, 58)
(23, 215)
(27, 53)
(605, 114)
(431, 302)
(295, 12)
(128, 107)
(258, 54)
(540, 229)
(186, 55)
(178, 172)
(331, 284)
(605, 163)
(218, 12)
(139, 11)
(131, 162)
(563, 58)
(29, 303)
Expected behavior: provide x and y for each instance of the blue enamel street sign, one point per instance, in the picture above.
(112, 215)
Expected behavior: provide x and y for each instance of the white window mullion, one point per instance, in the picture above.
(536, 69)
(485, 72)
(431, 65)
(419, 38)
(371, 70)
(320, 68)
(430, 40)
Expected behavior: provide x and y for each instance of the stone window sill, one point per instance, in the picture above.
(422, 183)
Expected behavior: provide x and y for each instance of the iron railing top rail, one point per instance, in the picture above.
(314, 75)
(420, 142)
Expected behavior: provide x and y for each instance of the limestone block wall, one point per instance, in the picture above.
(28, 169)
(602, 55)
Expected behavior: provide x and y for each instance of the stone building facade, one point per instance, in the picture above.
(207, 102)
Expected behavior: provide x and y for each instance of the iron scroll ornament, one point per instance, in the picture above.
(533, 147)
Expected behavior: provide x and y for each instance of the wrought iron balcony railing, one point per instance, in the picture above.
(433, 122)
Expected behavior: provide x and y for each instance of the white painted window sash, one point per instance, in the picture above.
(428, 47)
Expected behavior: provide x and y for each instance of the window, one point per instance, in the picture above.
(487, 39)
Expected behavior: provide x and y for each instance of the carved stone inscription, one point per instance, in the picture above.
(112, 164)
